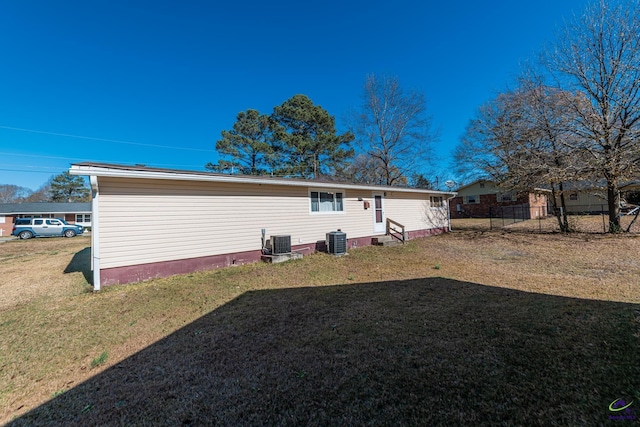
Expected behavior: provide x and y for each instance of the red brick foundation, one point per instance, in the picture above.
(138, 273)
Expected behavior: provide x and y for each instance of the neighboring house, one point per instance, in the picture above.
(151, 222)
(74, 213)
(580, 199)
(590, 197)
(478, 199)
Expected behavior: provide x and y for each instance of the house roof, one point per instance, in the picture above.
(44, 207)
(534, 190)
(138, 171)
(473, 183)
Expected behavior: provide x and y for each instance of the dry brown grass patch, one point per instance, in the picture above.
(465, 328)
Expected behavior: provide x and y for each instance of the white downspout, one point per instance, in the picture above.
(95, 232)
(449, 209)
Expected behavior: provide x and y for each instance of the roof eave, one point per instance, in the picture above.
(132, 172)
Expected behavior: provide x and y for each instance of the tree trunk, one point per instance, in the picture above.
(560, 212)
(563, 204)
(554, 204)
(613, 199)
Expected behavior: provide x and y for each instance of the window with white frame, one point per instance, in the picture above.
(83, 218)
(470, 200)
(326, 201)
(436, 201)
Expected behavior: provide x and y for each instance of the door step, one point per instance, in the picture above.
(384, 241)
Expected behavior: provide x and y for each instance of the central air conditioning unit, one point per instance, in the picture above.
(337, 242)
(280, 244)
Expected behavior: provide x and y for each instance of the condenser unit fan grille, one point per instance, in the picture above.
(337, 242)
(280, 244)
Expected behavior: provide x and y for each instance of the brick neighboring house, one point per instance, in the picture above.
(476, 200)
(73, 213)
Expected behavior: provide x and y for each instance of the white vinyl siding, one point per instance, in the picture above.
(144, 220)
(413, 211)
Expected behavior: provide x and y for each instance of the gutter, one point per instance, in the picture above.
(95, 232)
(117, 171)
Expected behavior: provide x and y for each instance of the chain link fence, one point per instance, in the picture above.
(582, 219)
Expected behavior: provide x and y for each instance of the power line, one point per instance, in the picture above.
(24, 171)
(13, 166)
(91, 138)
(39, 156)
(72, 159)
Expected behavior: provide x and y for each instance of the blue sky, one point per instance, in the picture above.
(164, 78)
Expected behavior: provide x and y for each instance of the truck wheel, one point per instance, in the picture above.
(24, 235)
(69, 233)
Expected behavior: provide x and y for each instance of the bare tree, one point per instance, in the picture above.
(42, 194)
(553, 145)
(393, 128)
(10, 193)
(363, 169)
(599, 55)
(522, 140)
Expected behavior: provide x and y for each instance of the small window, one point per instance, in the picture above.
(506, 197)
(436, 201)
(469, 200)
(327, 201)
(38, 221)
(482, 185)
(83, 218)
(573, 196)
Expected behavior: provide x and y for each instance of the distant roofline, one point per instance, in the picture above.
(533, 190)
(138, 171)
(45, 207)
(474, 183)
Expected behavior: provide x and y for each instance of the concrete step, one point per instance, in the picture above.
(276, 258)
(385, 241)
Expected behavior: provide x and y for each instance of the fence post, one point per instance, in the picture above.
(539, 219)
(490, 219)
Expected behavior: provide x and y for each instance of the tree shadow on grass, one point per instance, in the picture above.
(81, 263)
(417, 352)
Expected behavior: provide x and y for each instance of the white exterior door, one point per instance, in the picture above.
(379, 222)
